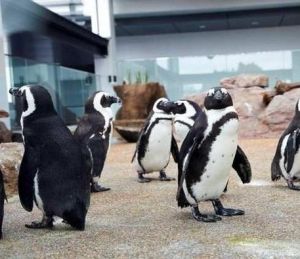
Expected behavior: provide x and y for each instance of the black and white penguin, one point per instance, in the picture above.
(2, 198)
(53, 173)
(207, 154)
(94, 131)
(184, 118)
(286, 161)
(156, 142)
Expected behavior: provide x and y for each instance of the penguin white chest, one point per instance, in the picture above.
(220, 158)
(180, 131)
(159, 145)
(295, 170)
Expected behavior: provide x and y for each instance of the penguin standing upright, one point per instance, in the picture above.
(286, 161)
(156, 142)
(207, 154)
(53, 172)
(185, 118)
(2, 198)
(94, 131)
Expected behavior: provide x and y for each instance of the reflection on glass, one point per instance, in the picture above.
(69, 88)
(183, 76)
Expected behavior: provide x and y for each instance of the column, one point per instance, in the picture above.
(3, 81)
(105, 67)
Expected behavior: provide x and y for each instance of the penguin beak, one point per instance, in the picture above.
(15, 92)
(218, 95)
(168, 107)
(113, 99)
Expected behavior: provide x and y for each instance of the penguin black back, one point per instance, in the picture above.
(2, 198)
(286, 151)
(53, 173)
(94, 132)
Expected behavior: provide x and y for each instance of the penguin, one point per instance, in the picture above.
(53, 173)
(184, 118)
(156, 142)
(94, 131)
(207, 154)
(286, 161)
(2, 198)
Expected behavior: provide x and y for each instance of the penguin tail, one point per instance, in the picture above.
(181, 199)
(76, 216)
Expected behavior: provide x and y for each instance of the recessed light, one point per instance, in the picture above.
(202, 26)
(255, 23)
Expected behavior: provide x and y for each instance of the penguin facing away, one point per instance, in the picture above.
(156, 142)
(2, 198)
(94, 131)
(286, 161)
(53, 173)
(184, 118)
(207, 154)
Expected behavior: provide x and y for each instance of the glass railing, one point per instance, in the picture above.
(69, 88)
(183, 76)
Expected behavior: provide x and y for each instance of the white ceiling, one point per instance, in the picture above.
(134, 8)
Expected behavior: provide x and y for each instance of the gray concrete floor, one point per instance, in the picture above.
(142, 220)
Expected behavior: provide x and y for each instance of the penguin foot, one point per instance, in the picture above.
(142, 179)
(220, 210)
(164, 177)
(47, 222)
(204, 218)
(292, 186)
(95, 187)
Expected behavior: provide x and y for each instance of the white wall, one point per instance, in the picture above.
(209, 43)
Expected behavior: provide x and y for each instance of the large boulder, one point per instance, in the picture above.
(5, 134)
(137, 99)
(248, 104)
(3, 114)
(10, 160)
(245, 81)
(280, 111)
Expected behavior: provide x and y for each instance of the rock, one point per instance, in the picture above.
(5, 134)
(245, 81)
(280, 111)
(248, 104)
(3, 114)
(10, 159)
(137, 99)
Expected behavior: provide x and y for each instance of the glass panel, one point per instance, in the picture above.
(69, 88)
(183, 76)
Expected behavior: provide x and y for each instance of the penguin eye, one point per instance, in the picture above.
(211, 92)
(224, 91)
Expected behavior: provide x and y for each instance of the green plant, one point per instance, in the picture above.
(138, 77)
(129, 77)
(146, 77)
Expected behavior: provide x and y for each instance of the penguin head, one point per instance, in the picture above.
(99, 101)
(217, 98)
(185, 107)
(35, 100)
(163, 105)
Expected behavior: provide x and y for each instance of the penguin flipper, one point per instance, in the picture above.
(291, 149)
(28, 169)
(174, 150)
(242, 166)
(141, 134)
(2, 189)
(193, 139)
(97, 150)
